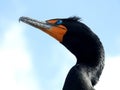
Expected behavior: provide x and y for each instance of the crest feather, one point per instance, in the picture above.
(74, 18)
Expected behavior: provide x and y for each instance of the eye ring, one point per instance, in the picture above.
(59, 22)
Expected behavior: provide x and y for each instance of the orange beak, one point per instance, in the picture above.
(56, 31)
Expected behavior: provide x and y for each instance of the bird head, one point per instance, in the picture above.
(70, 32)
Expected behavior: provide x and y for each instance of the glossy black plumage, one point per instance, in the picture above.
(88, 49)
(83, 43)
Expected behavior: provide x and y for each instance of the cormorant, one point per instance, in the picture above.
(83, 43)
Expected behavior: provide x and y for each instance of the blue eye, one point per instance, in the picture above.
(59, 22)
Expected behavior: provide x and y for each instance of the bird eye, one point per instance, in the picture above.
(59, 22)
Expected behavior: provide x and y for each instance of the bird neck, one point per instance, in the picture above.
(90, 53)
(77, 79)
(87, 49)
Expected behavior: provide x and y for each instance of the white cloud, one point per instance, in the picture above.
(15, 62)
(110, 78)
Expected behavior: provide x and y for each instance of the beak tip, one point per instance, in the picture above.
(21, 19)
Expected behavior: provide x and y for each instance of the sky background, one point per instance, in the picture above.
(32, 60)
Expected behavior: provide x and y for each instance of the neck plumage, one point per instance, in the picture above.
(88, 50)
(90, 62)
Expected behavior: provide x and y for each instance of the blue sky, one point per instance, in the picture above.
(32, 60)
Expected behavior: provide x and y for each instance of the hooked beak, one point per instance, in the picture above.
(55, 31)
